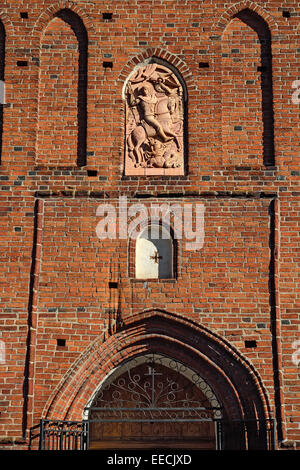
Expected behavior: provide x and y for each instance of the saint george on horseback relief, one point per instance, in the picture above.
(154, 122)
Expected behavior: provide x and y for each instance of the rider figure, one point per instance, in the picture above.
(146, 103)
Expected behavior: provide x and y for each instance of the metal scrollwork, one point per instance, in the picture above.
(154, 387)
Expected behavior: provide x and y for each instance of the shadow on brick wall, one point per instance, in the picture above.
(81, 34)
(258, 24)
(2, 64)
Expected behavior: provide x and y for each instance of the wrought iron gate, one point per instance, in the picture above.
(155, 389)
(230, 435)
(60, 435)
(247, 435)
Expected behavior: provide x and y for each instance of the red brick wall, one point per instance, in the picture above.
(48, 137)
(58, 82)
(242, 129)
(223, 286)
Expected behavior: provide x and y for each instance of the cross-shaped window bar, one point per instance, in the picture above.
(156, 257)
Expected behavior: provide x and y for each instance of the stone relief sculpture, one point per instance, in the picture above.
(154, 122)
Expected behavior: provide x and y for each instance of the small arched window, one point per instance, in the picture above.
(154, 253)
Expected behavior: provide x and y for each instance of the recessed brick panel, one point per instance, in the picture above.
(241, 95)
(58, 95)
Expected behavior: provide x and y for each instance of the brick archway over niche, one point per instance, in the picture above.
(7, 24)
(233, 11)
(165, 56)
(47, 15)
(234, 380)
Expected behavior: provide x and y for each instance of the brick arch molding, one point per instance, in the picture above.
(232, 377)
(263, 24)
(164, 55)
(236, 8)
(7, 23)
(47, 15)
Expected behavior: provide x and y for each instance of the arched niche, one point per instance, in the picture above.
(155, 122)
(62, 107)
(233, 380)
(247, 91)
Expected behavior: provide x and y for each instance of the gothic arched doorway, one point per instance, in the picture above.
(153, 402)
(235, 389)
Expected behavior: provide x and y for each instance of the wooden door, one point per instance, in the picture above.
(147, 399)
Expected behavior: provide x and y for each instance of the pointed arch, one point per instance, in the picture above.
(234, 9)
(70, 89)
(231, 377)
(7, 23)
(161, 54)
(263, 73)
(47, 15)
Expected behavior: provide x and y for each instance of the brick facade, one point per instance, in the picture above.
(62, 155)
